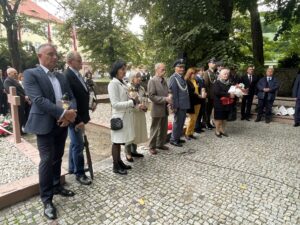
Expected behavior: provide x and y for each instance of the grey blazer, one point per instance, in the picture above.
(158, 91)
(44, 112)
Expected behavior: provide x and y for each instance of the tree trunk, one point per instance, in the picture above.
(13, 46)
(257, 35)
(226, 10)
(111, 49)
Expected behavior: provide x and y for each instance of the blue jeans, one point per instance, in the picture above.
(76, 159)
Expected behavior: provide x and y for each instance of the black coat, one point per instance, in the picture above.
(220, 90)
(252, 86)
(194, 98)
(81, 95)
(296, 88)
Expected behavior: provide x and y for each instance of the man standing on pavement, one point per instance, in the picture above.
(48, 119)
(250, 81)
(210, 78)
(158, 93)
(181, 101)
(267, 88)
(296, 94)
(81, 94)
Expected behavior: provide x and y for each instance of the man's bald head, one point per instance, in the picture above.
(12, 73)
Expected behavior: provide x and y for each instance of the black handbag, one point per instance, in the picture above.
(116, 123)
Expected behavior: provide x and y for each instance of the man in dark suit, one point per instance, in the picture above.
(267, 88)
(3, 97)
(250, 81)
(48, 119)
(81, 94)
(11, 81)
(296, 94)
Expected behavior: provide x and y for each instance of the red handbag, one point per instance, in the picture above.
(226, 101)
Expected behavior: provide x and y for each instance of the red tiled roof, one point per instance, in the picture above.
(31, 9)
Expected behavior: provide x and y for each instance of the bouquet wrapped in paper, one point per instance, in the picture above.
(238, 90)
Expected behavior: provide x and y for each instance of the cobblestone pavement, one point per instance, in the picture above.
(251, 177)
(10, 160)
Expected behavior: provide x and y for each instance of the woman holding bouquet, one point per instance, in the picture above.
(122, 110)
(139, 119)
(222, 102)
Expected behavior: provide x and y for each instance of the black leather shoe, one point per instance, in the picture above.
(268, 120)
(63, 192)
(296, 125)
(175, 143)
(83, 180)
(181, 141)
(188, 138)
(258, 119)
(138, 155)
(208, 127)
(50, 211)
(124, 166)
(163, 147)
(248, 119)
(224, 134)
(242, 118)
(218, 135)
(118, 169)
(192, 137)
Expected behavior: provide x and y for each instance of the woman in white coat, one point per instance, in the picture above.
(139, 117)
(122, 107)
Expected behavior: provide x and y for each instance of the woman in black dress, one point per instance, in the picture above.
(222, 102)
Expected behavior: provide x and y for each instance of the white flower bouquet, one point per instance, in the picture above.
(238, 90)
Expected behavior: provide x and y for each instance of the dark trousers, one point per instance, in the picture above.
(158, 132)
(246, 106)
(3, 104)
(76, 158)
(297, 111)
(178, 123)
(267, 105)
(209, 108)
(51, 148)
(201, 117)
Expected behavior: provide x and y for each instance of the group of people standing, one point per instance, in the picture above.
(60, 105)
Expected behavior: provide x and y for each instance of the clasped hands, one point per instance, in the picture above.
(266, 89)
(68, 117)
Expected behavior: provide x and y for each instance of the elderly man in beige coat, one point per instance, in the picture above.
(158, 93)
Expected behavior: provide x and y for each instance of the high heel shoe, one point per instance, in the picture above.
(129, 159)
(218, 135)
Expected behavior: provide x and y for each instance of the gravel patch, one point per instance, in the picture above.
(14, 165)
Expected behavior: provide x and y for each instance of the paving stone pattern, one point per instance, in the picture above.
(251, 177)
(14, 165)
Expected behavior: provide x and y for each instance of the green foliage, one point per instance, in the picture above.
(102, 31)
(292, 61)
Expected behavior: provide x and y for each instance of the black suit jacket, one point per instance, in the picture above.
(252, 85)
(296, 88)
(10, 82)
(81, 95)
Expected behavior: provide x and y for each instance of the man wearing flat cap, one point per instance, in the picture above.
(210, 77)
(181, 101)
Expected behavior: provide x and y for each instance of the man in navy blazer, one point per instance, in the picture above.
(49, 120)
(81, 94)
(267, 88)
(296, 94)
(250, 81)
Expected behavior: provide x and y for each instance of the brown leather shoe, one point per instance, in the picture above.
(163, 147)
(153, 151)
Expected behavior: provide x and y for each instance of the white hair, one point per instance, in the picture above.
(158, 65)
(71, 55)
(42, 46)
(10, 70)
(134, 73)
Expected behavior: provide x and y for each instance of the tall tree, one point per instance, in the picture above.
(10, 22)
(102, 30)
